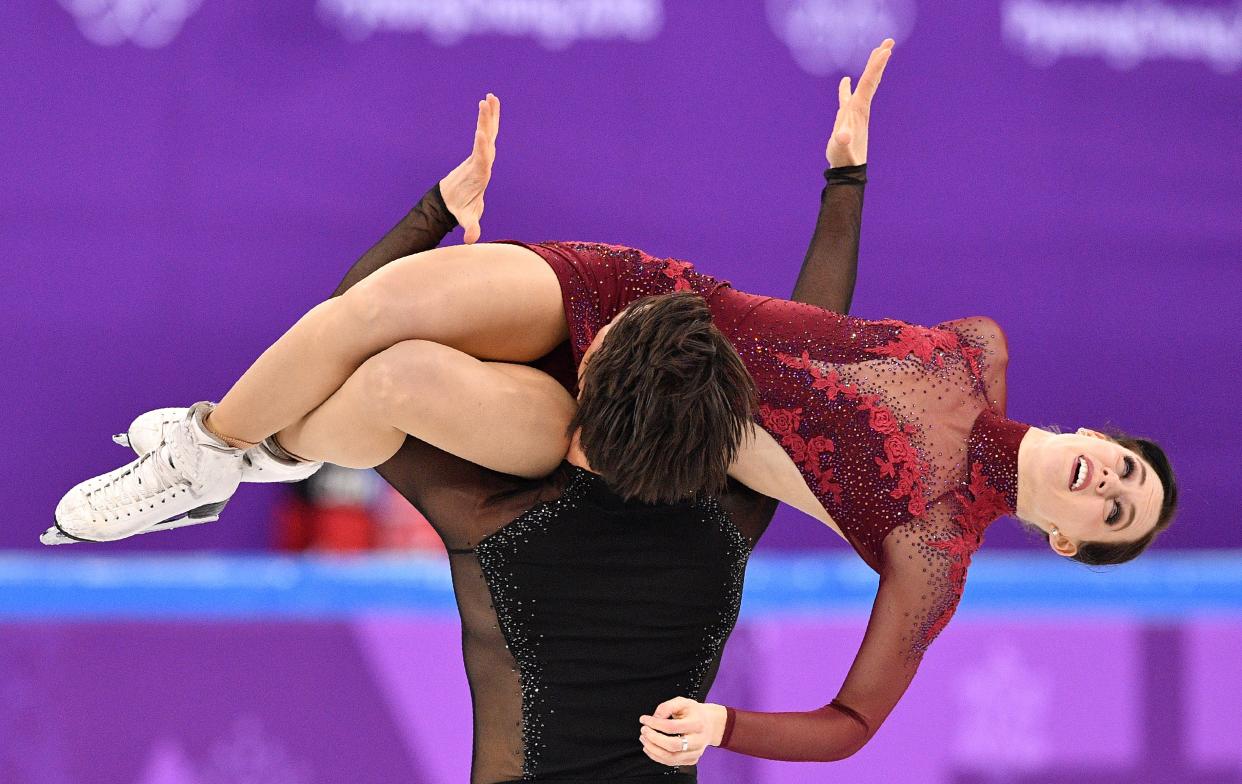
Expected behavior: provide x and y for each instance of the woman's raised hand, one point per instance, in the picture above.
(463, 187)
(848, 144)
(680, 730)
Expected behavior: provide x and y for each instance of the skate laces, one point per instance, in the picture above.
(149, 475)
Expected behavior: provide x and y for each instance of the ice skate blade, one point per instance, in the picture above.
(203, 514)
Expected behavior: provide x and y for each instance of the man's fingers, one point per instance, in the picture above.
(667, 758)
(484, 150)
(843, 91)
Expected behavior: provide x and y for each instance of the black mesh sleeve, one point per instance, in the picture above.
(831, 264)
(421, 229)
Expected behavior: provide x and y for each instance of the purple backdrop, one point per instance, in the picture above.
(1009, 701)
(183, 178)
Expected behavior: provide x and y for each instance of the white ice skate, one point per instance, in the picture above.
(186, 480)
(258, 464)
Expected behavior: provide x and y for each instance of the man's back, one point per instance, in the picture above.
(580, 611)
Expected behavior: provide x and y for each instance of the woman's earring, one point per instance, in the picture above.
(1055, 531)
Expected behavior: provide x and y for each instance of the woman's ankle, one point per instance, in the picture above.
(236, 443)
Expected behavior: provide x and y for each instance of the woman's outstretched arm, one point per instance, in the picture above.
(921, 581)
(831, 263)
(458, 198)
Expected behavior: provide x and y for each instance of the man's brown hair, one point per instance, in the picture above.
(665, 402)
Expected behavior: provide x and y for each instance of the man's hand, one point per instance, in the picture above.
(848, 144)
(463, 187)
(680, 730)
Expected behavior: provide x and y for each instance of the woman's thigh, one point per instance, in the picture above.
(509, 418)
(499, 302)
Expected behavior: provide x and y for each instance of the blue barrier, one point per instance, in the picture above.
(1159, 586)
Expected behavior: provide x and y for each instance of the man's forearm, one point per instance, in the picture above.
(421, 229)
(831, 263)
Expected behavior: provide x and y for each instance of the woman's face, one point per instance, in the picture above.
(1092, 489)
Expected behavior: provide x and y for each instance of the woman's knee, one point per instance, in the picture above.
(387, 312)
(403, 377)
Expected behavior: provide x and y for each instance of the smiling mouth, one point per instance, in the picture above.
(1080, 474)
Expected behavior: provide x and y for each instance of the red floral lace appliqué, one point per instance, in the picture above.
(929, 345)
(921, 342)
(980, 505)
(901, 459)
(983, 504)
(807, 453)
(677, 271)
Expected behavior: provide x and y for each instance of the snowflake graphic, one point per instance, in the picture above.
(246, 754)
(249, 755)
(1004, 703)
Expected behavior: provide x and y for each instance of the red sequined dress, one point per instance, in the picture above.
(899, 431)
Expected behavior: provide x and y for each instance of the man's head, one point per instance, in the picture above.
(665, 401)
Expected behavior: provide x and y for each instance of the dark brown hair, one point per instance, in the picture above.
(1105, 554)
(665, 402)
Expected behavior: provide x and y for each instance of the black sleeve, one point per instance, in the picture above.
(421, 229)
(831, 263)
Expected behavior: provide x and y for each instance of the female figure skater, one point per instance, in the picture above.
(892, 434)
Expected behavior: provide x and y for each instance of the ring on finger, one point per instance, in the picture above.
(685, 744)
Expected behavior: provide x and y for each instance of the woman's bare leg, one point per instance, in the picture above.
(509, 418)
(499, 302)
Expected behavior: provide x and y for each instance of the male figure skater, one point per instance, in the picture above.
(580, 610)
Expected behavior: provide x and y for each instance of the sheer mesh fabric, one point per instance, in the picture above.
(466, 503)
(750, 511)
(906, 420)
(831, 263)
(495, 688)
(421, 229)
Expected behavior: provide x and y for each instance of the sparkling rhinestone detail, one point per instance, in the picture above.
(494, 554)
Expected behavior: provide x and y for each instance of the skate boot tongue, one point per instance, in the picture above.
(267, 462)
